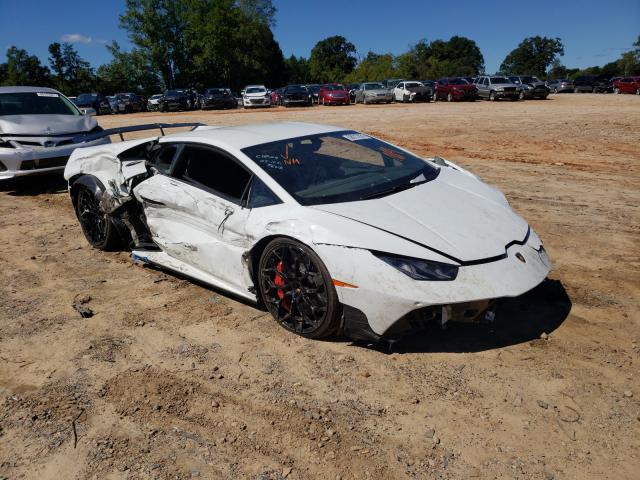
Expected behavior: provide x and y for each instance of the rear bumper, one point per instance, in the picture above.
(336, 101)
(20, 162)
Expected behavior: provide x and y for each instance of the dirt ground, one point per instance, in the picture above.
(169, 379)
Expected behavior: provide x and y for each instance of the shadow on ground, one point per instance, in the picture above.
(518, 320)
(34, 185)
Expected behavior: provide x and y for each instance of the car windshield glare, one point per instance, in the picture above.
(36, 103)
(340, 166)
(333, 87)
(500, 80)
(255, 90)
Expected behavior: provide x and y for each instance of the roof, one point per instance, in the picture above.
(243, 136)
(27, 90)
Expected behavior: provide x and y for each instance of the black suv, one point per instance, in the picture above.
(97, 101)
(592, 84)
(218, 98)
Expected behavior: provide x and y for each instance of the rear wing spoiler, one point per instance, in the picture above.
(89, 137)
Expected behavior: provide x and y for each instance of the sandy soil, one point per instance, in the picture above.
(169, 379)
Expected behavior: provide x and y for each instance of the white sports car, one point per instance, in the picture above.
(333, 230)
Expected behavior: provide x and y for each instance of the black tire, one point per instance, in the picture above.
(297, 289)
(97, 226)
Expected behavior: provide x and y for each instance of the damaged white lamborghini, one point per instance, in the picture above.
(334, 231)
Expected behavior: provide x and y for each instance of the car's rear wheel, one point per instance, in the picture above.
(449, 97)
(97, 226)
(492, 96)
(297, 289)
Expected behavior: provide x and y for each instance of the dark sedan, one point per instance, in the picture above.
(178, 99)
(293, 95)
(218, 98)
(97, 101)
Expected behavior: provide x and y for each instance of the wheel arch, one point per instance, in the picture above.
(88, 181)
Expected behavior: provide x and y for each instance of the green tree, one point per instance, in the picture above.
(533, 56)
(374, 67)
(23, 69)
(297, 70)
(72, 74)
(128, 72)
(332, 59)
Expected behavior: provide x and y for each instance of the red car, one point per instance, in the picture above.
(627, 85)
(333, 94)
(454, 89)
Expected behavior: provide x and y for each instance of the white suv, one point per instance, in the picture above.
(255, 96)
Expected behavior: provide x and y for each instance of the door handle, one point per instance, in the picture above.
(153, 202)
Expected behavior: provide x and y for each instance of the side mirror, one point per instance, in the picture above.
(90, 112)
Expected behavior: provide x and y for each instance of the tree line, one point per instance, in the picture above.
(203, 43)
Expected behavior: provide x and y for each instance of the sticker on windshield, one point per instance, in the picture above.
(43, 94)
(356, 136)
(392, 153)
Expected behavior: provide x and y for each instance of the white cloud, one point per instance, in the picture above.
(75, 38)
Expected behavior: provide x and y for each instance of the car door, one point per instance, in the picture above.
(195, 214)
(483, 87)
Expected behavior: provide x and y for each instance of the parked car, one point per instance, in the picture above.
(178, 99)
(217, 98)
(429, 83)
(455, 89)
(130, 102)
(97, 101)
(351, 88)
(495, 87)
(530, 86)
(314, 89)
(372, 92)
(592, 84)
(39, 128)
(313, 221)
(275, 96)
(153, 104)
(293, 95)
(411, 91)
(333, 94)
(255, 96)
(560, 85)
(627, 85)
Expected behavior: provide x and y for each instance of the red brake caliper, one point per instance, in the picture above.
(280, 283)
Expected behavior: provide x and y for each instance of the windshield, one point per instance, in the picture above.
(215, 91)
(255, 90)
(35, 103)
(333, 87)
(373, 86)
(154, 97)
(458, 81)
(174, 92)
(86, 97)
(295, 89)
(500, 80)
(413, 85)
(341, 166)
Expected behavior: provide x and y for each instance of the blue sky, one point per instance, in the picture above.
(594, 32)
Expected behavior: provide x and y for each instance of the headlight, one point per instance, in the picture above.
(419, 269)
(499, 88)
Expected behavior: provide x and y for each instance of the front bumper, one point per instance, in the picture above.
(378, 98)
(387, 298)
(507, 94)
(19, 162)
(336, 100)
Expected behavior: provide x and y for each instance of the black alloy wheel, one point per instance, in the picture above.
(297, 289)
(97, 226)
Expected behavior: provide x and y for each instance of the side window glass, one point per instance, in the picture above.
(260, 195)
(164, 158)
(213, 170)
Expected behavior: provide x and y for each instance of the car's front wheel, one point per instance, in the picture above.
(97, 226)
(297, 289)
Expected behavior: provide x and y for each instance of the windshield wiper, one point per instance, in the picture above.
(392, 190)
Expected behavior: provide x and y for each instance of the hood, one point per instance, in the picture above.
(46, 125)
(256, 95)
(454, 214)
(419, 89)
(504, 85)
(378, 91)
(467, 86)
